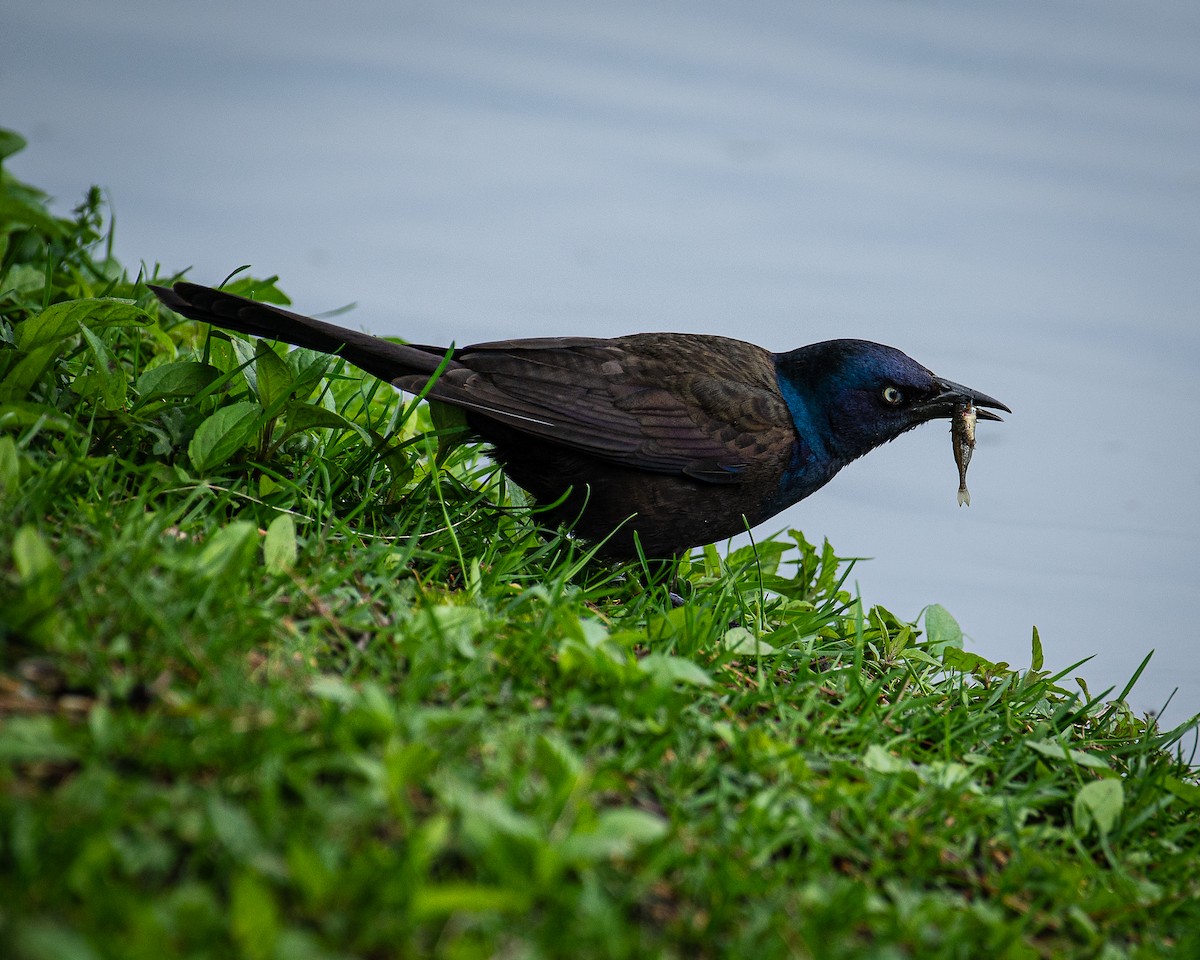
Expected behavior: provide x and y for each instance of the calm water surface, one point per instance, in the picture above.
(1009, 194)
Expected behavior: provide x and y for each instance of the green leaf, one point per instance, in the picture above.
(223, 434)
(763, 556)
(10, 466)
(10, 142)
(20, 211)
(31, 556)
(1188, 792)
(51, 325)
(246, 353)
(941, 629)
(878, 759)
(616, 833)
(561, 764)
(185, 378)
(63, 320)
(335, 689)
(22, 278)
(252, 288)
(488, 818)
(228, 551)
(451, 425)
(28, 370)
(668, 670)
(307, 367)
(631, 827)
(1099, 804)
(110, 378)
(19, 415)
(279, 545)
(31, 738)
(590, 646)
(41, 939)
(739, 640)
(968, 662)
(233, 828)
(1056, 751)
(916, 655)
(253, 917)
(1037, 660)
(274, 377)
(305, 416)
(457, 625)
(438, 900)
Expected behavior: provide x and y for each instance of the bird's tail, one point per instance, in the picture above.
(375, 355)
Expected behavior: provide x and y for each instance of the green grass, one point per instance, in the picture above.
(286, 673)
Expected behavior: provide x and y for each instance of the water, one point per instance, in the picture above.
(1010, 194)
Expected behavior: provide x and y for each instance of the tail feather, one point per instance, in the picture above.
(376, 356)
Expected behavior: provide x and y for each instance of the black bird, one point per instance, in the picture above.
(674, 439)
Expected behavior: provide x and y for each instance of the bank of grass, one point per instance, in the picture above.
(283, 675)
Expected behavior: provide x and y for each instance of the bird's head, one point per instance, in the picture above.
(853, 395)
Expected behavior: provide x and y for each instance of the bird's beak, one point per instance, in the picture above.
(953, 395)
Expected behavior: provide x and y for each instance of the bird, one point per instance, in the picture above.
(645, 445)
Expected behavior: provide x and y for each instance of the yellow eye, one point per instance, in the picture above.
(892, 396)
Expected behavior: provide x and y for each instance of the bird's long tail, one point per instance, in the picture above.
(375, 355)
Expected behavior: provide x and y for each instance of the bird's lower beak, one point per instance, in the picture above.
(954, 395)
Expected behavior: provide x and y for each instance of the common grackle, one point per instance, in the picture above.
(676, 439)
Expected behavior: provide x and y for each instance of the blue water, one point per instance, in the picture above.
(1009, 193)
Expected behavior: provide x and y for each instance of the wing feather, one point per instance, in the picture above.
(629, 400)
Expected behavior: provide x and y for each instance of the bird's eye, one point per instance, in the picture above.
(892, 396)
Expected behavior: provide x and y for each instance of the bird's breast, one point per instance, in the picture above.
(806, 471)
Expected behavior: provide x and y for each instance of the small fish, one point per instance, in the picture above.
(962, 434)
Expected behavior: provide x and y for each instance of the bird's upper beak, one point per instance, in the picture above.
(952, 395)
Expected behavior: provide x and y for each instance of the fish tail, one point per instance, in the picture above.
(964, 497)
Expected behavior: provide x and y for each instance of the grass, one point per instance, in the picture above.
(286, 673)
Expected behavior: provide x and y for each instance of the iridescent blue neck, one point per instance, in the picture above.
(810, 465)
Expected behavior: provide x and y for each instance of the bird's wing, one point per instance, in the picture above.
(705, 407)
